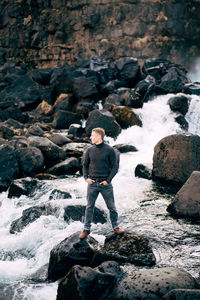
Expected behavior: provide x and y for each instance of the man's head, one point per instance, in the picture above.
(97, 135)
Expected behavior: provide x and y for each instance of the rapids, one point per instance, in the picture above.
(141, 206)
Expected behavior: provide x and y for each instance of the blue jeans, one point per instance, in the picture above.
(93, 191)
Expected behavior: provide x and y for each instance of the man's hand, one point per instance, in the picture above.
(104, 182)
(89, 181)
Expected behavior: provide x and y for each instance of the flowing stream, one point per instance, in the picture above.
(141, 206)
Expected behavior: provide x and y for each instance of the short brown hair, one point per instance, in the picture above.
(100, 131)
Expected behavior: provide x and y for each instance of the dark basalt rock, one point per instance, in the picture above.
(143, 171)
(59, 194)
(63, 119)
(24, 186)
(70, 252)
(75, 149)
(77, 213)
(69, 166)
(192, 88)
(174, 80)
(179, 103)
(128, 69)
(126, 117)
(59, 139)
(182, 122)
(123, 148)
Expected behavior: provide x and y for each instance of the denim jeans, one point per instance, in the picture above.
(93, 191)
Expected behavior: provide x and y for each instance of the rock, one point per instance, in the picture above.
(9, 167)
(18, 142)
(126, 117)
(70, 252)
(123, 148)
(85, 283)
(35, 130)
(152, 284)
(192, 88)
(179, 103)
(182, 122)
(156, 67)
(143, 172)
(42, 76)
(174, 80)
(182, 294)
(24, 186)
(128, 69)
(45, 176)
(69, 166)
(126, 248)
(76, 149)
(103, 118)
(86, 86)
(114, 99)
(59, 139)
(29, 215)
(61, 79)
(63, 119)
(40, 276)
(30, 160)
(51, 152)
(125, 95)
(83, 107)
(59, 194)
(76, 129)
(187, 203)
(154, 90)
(45, 108)
(171, 157)
(63, 102)
(77, 213)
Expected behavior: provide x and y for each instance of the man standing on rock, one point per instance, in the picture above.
(99, 168)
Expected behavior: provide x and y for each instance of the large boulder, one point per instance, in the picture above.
(51, 152)
(187, 201)
(126, 117)
(59, 194)
(9, 166)
(63, 119)
(174, 80)
(156, 67)
(171, 157)
(30, 160)
(103, 118)
(75, 149)
(183, 294)
(128, 69)
(192, 88)
(77, 213)
(179, 103)
(152, 284)
(70, 252)
(86, 86)
(125, 248)
(143, 171)
(24, 186)
(67, 167)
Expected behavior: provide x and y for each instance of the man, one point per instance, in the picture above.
(99, 168)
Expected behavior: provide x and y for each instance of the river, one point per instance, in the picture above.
(141, 206)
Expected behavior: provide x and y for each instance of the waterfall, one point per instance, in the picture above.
(141, 209)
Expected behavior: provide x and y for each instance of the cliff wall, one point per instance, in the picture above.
(45, 33)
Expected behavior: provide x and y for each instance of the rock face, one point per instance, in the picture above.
(187, 201)
(50, 33)
(152, 284)
(171, 157)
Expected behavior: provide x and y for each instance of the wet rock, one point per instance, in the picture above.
(174, 80)
(77, 213)
(182, 122)
(126, 248)
(59, 194)
(71, 251)
(86, 86)
(85, 283)
(156, 67)
(126, 117)
(59, 139)
(84, 107)
(29, 215)
(30, 160)
(179, 103)
(128, 69)
(152, 283)
(69, 166)
(9, 167)
(76, 129)
(40, 276)
(45, 176)
(143, 172)
(35, 130)
(76, 149)
(63, 102)
(192, 88)
(124, 148)
(24, 186)
(114, 99)
(51, 152)
(171, 157)
(41, 76)
(183, 294)
(187, 201)
(18, 142)
(154, 90)
(63, 119)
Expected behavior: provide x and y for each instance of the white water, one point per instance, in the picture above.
(141, 210)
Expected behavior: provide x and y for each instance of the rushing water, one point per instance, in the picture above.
(141, 205)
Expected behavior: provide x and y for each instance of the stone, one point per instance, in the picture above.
(85, 87)
(85, 283)
(174, 80)
(179, 103)
(35, 129)
(76, 129)
(124, 148)
(77, 213)
(156, 67)
(69, 166)
(187, 201)
(59, 194)
(152, 284)
(63, 102)
(42, 76)
(128, 69)
(102, 118)
(126, 117)
(84, 106)
(192, 88)
(24, 186)
(45, 108)
(30, 160)
(18, 142)
(143, 171)
(40, 276)
(171, 157)
(63, 119)
(182, 122)
(70, 252)
(51, 152)
(183, 294)
(114, 99)
(59, 139)
(76, 149)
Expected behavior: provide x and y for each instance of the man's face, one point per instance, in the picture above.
(95, 138)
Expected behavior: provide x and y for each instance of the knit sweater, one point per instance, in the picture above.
(99, 162)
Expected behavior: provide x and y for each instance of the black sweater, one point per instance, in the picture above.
(99, 162)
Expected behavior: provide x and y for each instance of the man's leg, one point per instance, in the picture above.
(92, 194)
(108, 195)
